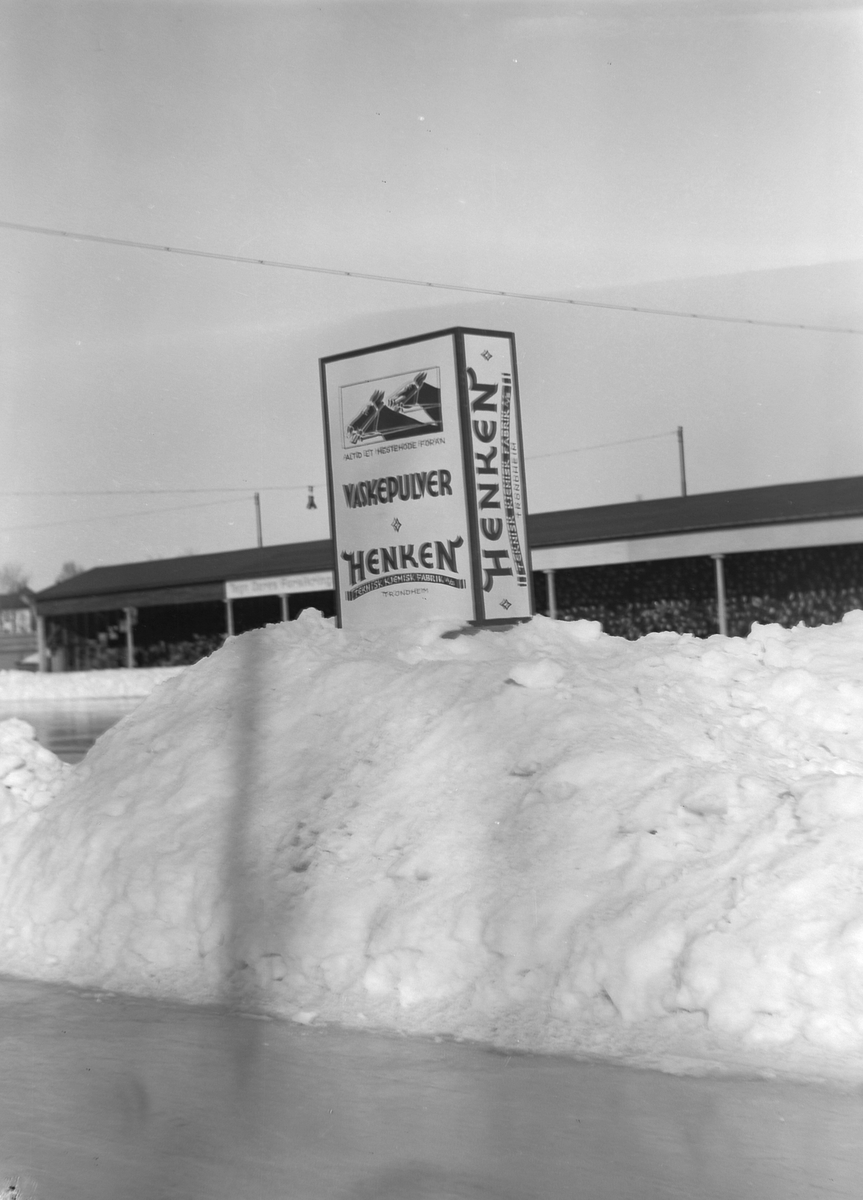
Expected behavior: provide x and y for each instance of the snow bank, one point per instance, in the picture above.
(545, 838)
(77, 685)
(30, 775)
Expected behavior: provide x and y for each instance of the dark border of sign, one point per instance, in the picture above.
(328, 449)
(452, 332)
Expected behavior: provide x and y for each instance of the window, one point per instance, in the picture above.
(15, 620)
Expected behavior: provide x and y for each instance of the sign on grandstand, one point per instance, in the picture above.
(279, 585)
(426, 480)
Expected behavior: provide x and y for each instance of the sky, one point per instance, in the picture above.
(695, 156)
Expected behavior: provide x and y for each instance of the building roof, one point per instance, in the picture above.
(203, 576)
(195, 577)
(822, 499)
(15, 599)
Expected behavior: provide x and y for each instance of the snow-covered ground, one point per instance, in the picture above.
(544, 838)
(90, 685)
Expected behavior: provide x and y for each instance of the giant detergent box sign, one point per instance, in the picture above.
(426, 480)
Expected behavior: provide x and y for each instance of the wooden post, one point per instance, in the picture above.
(258, 519)
(552, 594)
(284, 600)
(682, 458)
(721, 609)
(229, 612)
(130, 639)
(41, 643)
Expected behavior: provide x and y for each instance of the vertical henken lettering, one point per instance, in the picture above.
(494, 440)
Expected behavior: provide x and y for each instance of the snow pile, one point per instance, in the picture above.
(90, 685)
(545, 838)
(30, 775)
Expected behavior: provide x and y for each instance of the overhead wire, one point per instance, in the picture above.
(650, 437)
(362, 275)
(275, 487)
(292, 487)
(649, 310)
(149, 512)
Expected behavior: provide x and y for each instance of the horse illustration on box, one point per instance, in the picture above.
(412, 408)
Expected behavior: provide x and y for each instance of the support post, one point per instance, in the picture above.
(229, 613)
(258, 519)
(41, 643)
(552, 594)
(284, 600)
(721, 608)
(130, 639)
(682, 458)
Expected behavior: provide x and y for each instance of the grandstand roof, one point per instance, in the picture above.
(823, 499)
(194, 577)
(675, 521)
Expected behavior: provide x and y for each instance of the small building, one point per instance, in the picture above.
(18, 642)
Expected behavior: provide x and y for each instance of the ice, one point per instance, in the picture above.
(543, 838)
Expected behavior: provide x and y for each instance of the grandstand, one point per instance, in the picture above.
(693, 564)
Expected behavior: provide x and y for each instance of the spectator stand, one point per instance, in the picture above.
(692, 564)
(707, 563)
(172, 612)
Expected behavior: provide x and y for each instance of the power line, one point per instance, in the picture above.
(424, 283)
(650, 437)
(294, 487)
(245, 491)
(148, 512)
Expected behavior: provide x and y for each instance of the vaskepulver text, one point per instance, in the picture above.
(389, 488)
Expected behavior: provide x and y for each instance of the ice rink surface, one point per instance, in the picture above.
(106, 1097)
(69, 728)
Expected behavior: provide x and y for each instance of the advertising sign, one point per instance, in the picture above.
(279, 585)
(425, 471)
